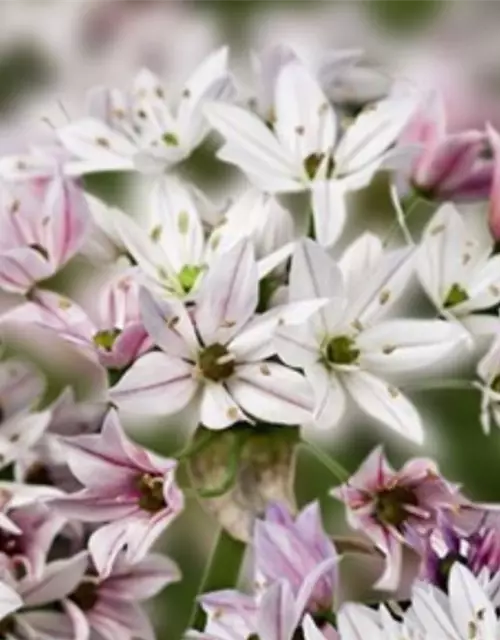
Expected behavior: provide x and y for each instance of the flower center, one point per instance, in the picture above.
(341, 350)
(390, 507)
(86, 594)
(216, 363)
(495, 385)
(106, 339)
(7, 626)
(151, 493)
(170, 139)
(10, 544)
(187, 276)
(313, 162)
(38, 473)
(456, 295)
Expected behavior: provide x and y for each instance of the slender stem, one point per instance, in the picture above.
(196, 445)
(329, 463)
(402, 215)
(222, 572)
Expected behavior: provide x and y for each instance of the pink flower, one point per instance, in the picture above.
(111, 604)
(392, 507)
(129, 488)
(115, 340)
(299, 551)
(43, 226)
(449, 165)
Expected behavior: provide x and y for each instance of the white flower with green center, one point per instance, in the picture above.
(457, 270)
(464, 613)
(300, 148)
(173, 250)
(138, 129)
(219, 350)
(356, 621)
(346, 348)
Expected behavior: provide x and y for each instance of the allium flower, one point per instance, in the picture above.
(458, 271)
(466, 613)
(41, 609)
(173, 253)
(392, 507)
(345, 347)
(276, 616)
(220, 348)
(43, 226)
(26, 536)
(111, 605)
(137, 129)
(130, 488)
(450, 166)
(300, 149)
(299, 551)
(116, 339)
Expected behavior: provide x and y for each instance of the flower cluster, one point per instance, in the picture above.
(257, 318)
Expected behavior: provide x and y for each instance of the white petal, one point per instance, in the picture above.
(372, 133)
(305, 122)
(483, 288)
(314, 274)
(383, 287)
(96, 142)
(353, 624)
(179, 225)
(297, 345)
(250, 144)
(10, 600)
(359, 260)
(385, 403)
(489, 366)
(272, 392)
(440, 257)
(169, 324)
(228, 294)
(218, 409)
(329, 210)
(405, 345)
(155, 384)
(329, 395)
(470, 607)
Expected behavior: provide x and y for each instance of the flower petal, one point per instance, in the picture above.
(218, 409)
(329, 210)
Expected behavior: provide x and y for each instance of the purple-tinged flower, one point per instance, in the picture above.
(299, 551)
(115, 340)
(391, 507)
(43, 226)
(494, 209)
(450, 166)
(129, 488)
(221, 348)
(111, 604)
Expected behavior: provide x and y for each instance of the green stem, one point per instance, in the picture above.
(435, 385)
(196, 445)
(329, 463)
(222, 572)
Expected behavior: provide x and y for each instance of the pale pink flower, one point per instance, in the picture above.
(448, 165)
(111, 605)
(43, 226)
(298, 550)
(494, 210)
(115, 339)
(220, 348)
(129, 488)
(391, 507)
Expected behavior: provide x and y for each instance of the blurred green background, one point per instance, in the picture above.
(52, 51)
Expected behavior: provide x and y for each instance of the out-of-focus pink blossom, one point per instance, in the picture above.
(391, 507)
(126, 486)
(43, 226)
(448, 165)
